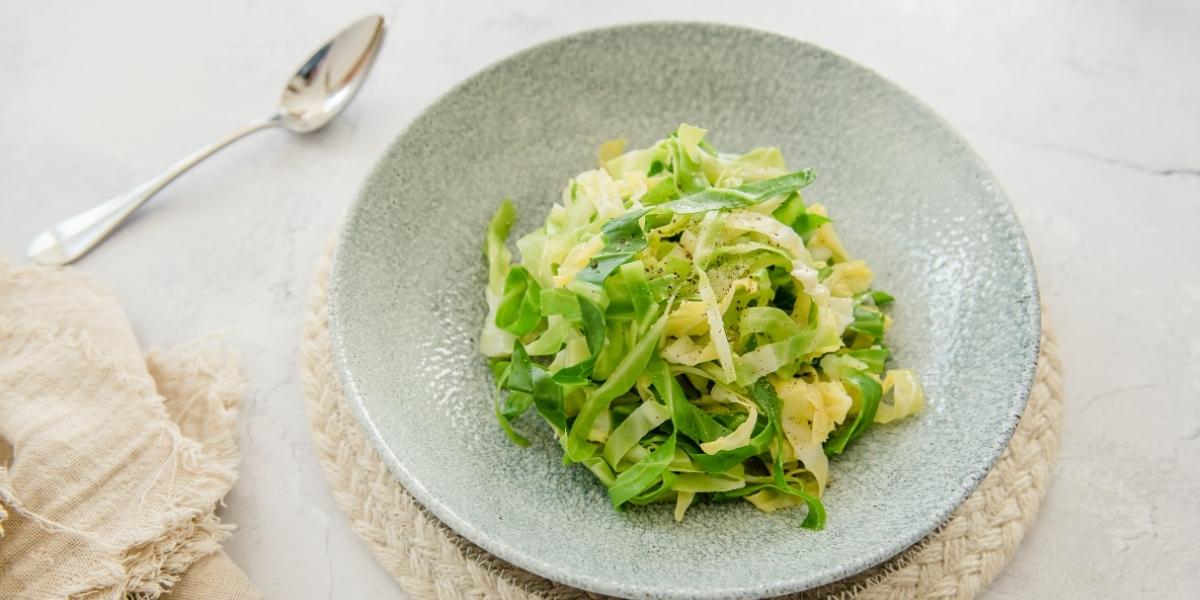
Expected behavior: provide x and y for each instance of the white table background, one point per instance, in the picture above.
(1089, 112)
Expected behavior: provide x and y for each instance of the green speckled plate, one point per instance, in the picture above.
(909, 195)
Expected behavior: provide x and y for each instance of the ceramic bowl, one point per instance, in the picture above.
(910, 198)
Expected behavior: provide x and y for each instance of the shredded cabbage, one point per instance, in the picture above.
(691, 330)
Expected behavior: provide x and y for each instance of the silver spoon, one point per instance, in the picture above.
(319, 90)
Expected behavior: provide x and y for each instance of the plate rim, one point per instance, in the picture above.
(783, 585)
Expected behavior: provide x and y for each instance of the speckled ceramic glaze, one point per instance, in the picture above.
(910, 197)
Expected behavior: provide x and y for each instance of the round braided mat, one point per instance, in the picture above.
(431, 561)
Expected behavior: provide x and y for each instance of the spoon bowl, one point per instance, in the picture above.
(319, 90)
(326, 83)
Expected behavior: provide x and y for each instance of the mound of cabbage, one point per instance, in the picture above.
(689, 328)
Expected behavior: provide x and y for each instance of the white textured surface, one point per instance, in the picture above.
(1088, 112)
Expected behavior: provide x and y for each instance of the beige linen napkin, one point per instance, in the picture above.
(111, 462)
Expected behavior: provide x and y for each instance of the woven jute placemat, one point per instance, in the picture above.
(429, 560)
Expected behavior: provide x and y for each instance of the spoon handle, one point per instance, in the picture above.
(75, 236)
